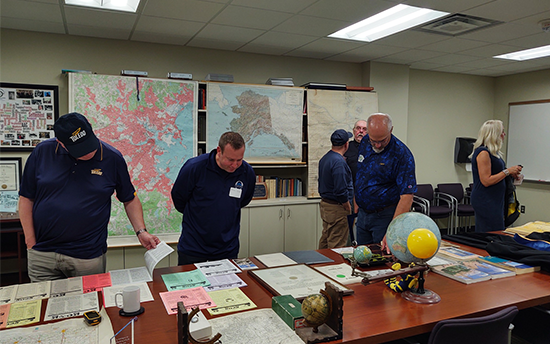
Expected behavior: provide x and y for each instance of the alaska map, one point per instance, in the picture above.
(268, 117)
(152, 123)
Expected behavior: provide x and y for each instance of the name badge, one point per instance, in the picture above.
(235, 192)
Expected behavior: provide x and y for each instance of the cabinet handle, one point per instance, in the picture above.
(288, 214)
(280, 214)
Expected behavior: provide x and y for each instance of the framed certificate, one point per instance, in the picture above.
(10, 174)
(260, 191)
(27, 115)
(299, 281)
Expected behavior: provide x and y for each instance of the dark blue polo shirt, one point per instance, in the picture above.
(211, 216)
(72, 198)
(383, 177)
(335, 181)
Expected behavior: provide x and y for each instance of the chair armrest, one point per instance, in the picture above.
(423, 203)
(445, 197)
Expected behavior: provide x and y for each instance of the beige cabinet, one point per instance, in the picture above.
(283, 227)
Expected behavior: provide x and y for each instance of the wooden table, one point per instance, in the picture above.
(374, 313)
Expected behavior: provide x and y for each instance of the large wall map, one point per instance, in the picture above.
(327, 111)
(152, 123)
(268, 117)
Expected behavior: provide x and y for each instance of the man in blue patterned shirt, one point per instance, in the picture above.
(385, 181)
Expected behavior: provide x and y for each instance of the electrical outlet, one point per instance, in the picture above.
(522, 209)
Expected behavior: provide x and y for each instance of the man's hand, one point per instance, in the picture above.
(385, 246)
(347, 207)
(148, 240)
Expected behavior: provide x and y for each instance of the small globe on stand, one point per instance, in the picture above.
(415, 238)
(362, 254)
(316, 309)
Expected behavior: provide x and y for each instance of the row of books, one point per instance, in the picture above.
(467, 267)
(282, 187)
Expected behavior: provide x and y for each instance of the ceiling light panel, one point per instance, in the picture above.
(114, 5)
(389, 22)
(528, 54)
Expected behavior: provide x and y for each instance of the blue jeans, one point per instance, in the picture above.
(371, 228)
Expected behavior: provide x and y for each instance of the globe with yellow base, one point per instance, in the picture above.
(413, 237)
(362, 254)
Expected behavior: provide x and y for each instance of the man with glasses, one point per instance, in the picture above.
(359, 131)
(385, 180)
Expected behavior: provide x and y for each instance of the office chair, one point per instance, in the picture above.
(426, 201)
(490, 329)
(455, 192)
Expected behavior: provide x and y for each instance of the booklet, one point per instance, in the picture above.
(244, 263)
(461, 273)
(142, 273)
(217, 267)
(71, 306)
(185, 280)
(191, 298)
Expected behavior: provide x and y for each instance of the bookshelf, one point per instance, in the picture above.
(290, 179)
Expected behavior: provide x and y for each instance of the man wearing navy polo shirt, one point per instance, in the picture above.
(335, 186)
(210, 191)
(65, 202)
(385, 180)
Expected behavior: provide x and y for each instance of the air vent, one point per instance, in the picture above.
(458, 24)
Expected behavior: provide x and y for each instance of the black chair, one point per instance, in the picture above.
(455, 192)
(490, 329)
(426, 201)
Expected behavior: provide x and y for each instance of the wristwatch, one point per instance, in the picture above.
(506, 172)
(141, 231)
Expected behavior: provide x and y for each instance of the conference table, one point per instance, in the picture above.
(373, 313)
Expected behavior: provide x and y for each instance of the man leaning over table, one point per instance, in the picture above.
(65, 202)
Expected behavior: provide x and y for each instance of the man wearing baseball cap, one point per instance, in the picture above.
(65, 202)
(336, 190)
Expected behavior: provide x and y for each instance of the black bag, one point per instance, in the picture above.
(511, 203)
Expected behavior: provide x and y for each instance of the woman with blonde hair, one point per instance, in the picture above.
(489, 172)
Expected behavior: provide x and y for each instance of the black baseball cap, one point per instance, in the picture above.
(76, 134)
(340, 137)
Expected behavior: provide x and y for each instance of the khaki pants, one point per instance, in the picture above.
(335, 225)
(46, 266)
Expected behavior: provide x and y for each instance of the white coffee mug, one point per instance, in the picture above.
(130, 299)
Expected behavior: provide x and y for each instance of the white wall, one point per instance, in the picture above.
(443, 106)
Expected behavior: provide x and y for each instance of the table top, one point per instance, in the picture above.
(374, 313)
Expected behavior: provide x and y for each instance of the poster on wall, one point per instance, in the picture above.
(27, 115)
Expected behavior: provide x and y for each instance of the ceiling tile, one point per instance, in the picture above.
(276, 42)
(223, 37)
(350, 11)
(533, 41)
(30, 10)
(324, 47)
(32, 25)
(102, 20)
(490, 50)
(501, 33)
(452, 69)
(507, 10)
(453, 45)
(447, 6)
(484, 63)
(452, 59)
(288, 6)
(250, 17)
(413, 55)
(194, 10)
(412, 39)
(101, 32)
(168, 26)
(312, 26)
(367, 52)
